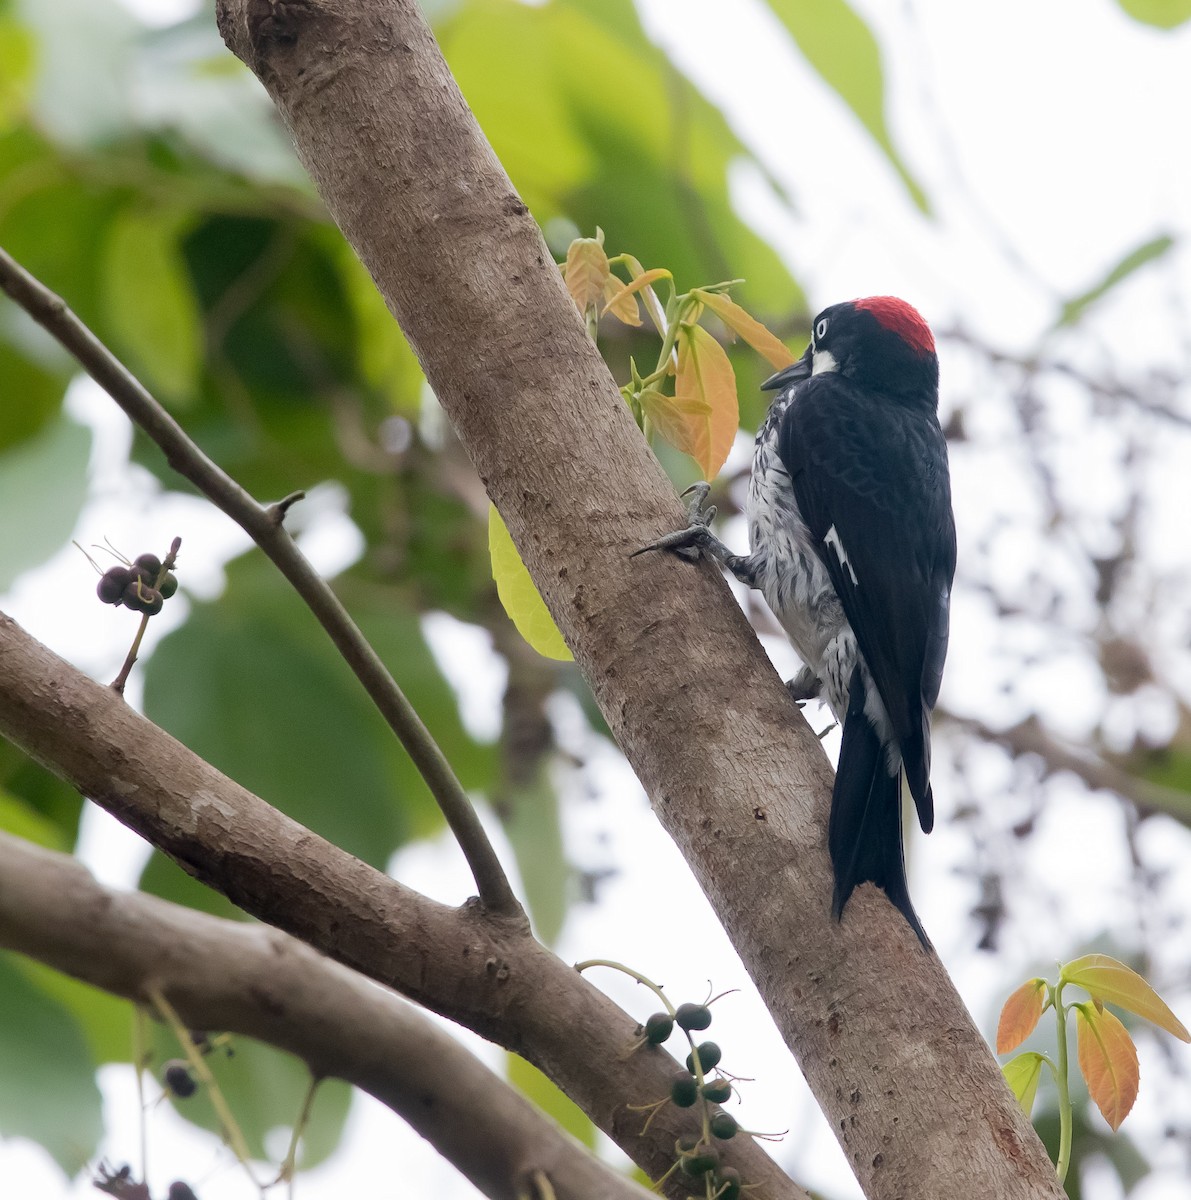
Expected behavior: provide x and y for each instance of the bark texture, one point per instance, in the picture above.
(734, 774)
(485, 972)
(253, 980)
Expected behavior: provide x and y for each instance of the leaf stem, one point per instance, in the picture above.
(265, 526)
(1061, 1075)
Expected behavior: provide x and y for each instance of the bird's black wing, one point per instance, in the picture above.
(870, 477)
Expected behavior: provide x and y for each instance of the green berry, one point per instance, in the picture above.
(692, 1016)
(723, 1126)
(110, 588)
(717, 1091)
(169, 585)
(684, 1091)
(699, 1164)
(709, 1057)
(729, 1181)
(658, 1028)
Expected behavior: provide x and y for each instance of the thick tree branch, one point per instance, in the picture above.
(485, 972)
(736, 777)
(265, 525)
(253, 980)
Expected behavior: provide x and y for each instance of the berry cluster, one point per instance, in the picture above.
(142, 586)
(698, 1156)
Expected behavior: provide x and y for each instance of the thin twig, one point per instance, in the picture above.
(265, 526)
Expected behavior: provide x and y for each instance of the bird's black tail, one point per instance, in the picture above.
(865, 832)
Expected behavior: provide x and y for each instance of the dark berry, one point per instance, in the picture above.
(717, 1091)
(181, 1191)
(688, 1143)
(724, 1126)
(177, 1078)
(692, 1016)
(684, 1091)
(111, 587)
(142, 599)
(709, 1056)
(699, 1164)
(169, 585)
(729, 1182)
(150, 564)
(658, 1028)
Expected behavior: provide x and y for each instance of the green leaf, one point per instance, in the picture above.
(105, 1020)
(264, 1088)
(254, 685)
(150, 303)
(19, 819)
(1165, 14)
(526, 608)
(45, 480)
(1110, 981)
(17, 60)
(530, 1082)
(47, 1074)
(530, 817)
(1147, 252)
(1022, 1075)
(842, 49)
(44, 796)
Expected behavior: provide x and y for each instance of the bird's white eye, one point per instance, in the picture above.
(821, 330)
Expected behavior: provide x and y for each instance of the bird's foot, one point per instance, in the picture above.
(692, 542)
(806, 685)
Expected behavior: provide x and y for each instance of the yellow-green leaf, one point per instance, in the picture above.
(1022, 1074)
(1106, 979)
(705, 376)
(620, 302)
(1108, 1060)
(744, 325)
(586, 272)
(1020, 1015)
(1165, 14)
(684, 423)
(526, 608)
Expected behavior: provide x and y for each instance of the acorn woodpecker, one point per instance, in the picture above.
(853, 548)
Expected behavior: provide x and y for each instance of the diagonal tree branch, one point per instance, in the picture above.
(734, 774)
(487, 973)
(252, 980)
(265, 526)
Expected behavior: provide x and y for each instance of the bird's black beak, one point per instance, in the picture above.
(794, 373)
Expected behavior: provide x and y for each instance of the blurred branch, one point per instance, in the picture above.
(487, 974)
(252, 980)
(1029, 738)
(266, 527)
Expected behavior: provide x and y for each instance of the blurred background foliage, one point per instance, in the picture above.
(148, 182)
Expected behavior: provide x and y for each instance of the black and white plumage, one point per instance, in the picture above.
(853, 547)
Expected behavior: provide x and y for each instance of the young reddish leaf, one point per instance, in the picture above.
(620, 302)
(653, 306)
(517, 593)
(1108, 1060)
(619, 291)
(766, 344)
(1022, 1074)
(586, 271)
(705, 374)
(1106, 979)
(1020, 1015)
(685, 424)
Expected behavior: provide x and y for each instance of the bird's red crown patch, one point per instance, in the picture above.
(901, 318)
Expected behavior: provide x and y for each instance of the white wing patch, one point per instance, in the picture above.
(832, 539)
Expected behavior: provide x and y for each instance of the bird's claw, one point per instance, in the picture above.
(688, 543)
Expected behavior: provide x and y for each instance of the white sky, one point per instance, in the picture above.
(1057, 130)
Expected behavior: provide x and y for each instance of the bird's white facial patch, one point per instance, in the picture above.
(823, 360)
(832, 539)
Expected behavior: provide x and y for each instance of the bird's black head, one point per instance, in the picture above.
(880, 342)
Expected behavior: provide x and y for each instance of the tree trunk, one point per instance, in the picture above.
(733, 772)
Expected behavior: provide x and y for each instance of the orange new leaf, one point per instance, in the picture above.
(705, 376)
(620, 302)
(1020, 1015)
(586, 272)
(1106, 979)
(766, 344)
(1108, 1060)
(683, 423)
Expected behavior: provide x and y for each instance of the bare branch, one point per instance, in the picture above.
(486, 972)
(265, 526)
(252, 980)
